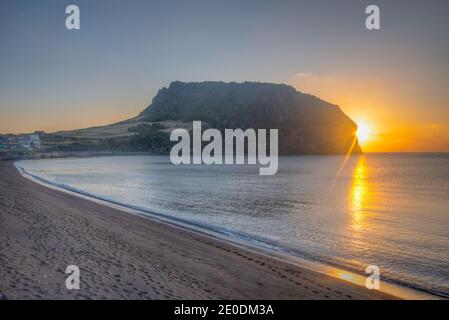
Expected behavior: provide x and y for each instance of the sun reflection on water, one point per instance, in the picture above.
(358, 194)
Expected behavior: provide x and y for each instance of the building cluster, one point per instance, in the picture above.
(20, 142)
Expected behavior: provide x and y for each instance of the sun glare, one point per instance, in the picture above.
(363, 132)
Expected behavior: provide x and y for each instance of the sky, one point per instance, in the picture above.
(393, 80)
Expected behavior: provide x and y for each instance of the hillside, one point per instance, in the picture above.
(307, 125)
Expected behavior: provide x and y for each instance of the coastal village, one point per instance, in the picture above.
(41, 145)
(19, 144)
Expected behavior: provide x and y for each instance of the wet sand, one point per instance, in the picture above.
(124, 256)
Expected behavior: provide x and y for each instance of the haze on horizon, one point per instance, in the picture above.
(394, 80)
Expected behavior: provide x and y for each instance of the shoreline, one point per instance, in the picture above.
(260, 246)
(14, 156)
(238, 271)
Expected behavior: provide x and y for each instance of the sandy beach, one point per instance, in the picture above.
(124, 256)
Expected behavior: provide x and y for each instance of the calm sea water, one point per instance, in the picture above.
(388, 210)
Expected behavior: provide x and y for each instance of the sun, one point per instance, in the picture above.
(363, 132)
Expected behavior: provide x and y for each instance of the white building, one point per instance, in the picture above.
(30, 142)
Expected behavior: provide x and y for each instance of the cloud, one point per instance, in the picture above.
(303, 75)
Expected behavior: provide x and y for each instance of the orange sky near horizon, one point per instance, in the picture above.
(394, 126)
(396, 114)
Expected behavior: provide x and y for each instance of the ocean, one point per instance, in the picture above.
(388, 210)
